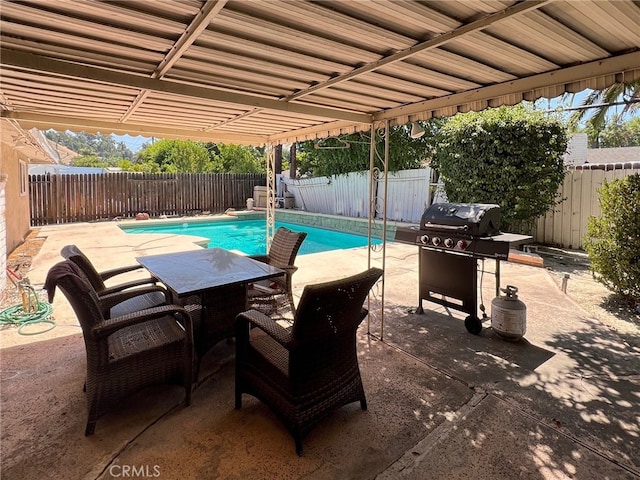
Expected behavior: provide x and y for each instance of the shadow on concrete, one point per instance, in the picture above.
(443, 342)
(581, 388)
(44, 413)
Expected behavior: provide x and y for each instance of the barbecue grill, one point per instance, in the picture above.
(452, 237)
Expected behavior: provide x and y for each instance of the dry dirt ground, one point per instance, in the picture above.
(600, 303)
(19, 261)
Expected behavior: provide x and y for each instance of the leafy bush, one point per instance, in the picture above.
(511, 156)
(186, 156)
(334, 157)
(230, 158)
(172, 156)
(613, 239)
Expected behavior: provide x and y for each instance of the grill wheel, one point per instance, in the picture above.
(473, 324)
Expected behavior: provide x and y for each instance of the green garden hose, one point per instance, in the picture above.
(16, 315)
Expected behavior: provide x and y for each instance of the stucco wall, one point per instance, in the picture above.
(3, 236)
(17, 205)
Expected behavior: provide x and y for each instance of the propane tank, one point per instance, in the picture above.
(509, 315)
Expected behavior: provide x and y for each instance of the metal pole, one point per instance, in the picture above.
(378, 205)
(384, 224)
(271, 194)
(372, 211)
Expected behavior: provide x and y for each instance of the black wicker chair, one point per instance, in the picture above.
(271, 296)
(305, 372)
(128, 353)
(147, 294)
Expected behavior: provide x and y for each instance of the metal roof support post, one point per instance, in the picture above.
(372, 211)
(377, 207)
(271, 194)
(383, 211)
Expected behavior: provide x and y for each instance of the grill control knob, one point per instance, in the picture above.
(424, 239)
(462, 244)
(436, 241)
(448, 243)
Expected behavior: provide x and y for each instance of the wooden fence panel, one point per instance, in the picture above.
(56, 199)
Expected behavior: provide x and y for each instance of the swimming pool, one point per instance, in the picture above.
(249, 236)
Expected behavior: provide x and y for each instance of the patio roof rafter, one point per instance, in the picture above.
(619, 64)
(39, 63)
(200, 22)
(482, 23)
(62, 123)
(280, 71)
(435, 42)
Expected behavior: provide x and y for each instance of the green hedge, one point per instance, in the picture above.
(512, 156)
(613, 239)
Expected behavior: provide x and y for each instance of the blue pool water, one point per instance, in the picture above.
(248, 236)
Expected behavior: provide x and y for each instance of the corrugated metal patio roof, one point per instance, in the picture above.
(257, 72)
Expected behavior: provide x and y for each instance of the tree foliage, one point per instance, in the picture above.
(93, 161)
(102, 146)
(173, 156)
(332, 156)
(613, 239)
(602, 101)
(170, 156)
(614, 133)
(511, 156)
(233, 158)
(185, 156)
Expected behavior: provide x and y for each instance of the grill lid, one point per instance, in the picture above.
(475, 219)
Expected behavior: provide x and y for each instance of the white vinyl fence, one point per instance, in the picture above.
(409, 193)
(566, 224)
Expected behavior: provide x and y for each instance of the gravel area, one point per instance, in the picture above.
(19, 261)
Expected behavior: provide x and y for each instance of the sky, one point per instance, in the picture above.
(133, 143)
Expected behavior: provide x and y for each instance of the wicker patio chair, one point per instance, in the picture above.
(305, 372)
(270, 296)
(148, 293)
(128, 353)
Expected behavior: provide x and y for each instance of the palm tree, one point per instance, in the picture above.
(602, 101)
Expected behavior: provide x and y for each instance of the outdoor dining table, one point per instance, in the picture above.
(218, 281)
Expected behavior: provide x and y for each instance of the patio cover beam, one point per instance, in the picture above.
(611, 66)
(432, 43)
(44, 122)
(318, 131)
(199, 23)
(39, 63)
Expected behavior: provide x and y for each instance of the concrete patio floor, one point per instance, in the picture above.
(443, 404)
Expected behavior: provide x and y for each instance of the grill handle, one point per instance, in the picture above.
(451, 228)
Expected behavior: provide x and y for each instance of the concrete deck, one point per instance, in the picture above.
(443, 404)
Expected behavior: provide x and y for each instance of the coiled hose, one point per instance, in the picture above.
(31, 311)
